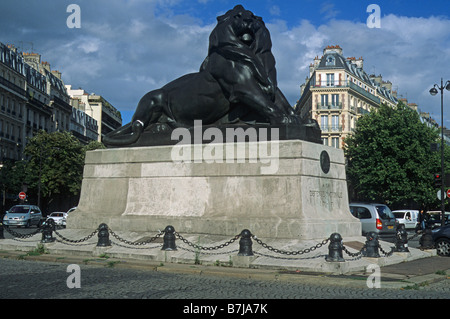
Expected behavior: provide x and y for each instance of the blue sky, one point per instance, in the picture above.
(126, 48)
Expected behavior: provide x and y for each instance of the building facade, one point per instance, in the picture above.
(98, 108)
(33, 97)
(338, 92)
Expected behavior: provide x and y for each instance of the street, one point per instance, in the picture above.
(25, 279)
(21, 278)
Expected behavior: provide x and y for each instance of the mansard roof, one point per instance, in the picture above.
(332, 60)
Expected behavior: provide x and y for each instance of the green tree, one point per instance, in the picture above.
(55, 167)
(389, 158)
(12, 180)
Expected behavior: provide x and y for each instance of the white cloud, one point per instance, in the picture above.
(412, 53)
(123, 56)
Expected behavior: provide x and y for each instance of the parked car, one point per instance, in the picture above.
(23, 215)
(376, 218)
(435, 218)
(407, 218)
(441, 238)
(59, 218)
(71, 210)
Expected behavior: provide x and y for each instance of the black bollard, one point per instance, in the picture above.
(401, 242)
(245, 243)
(169, 239)
(372, 245)
(47, 231)
(103, 236)
(2, 236)
(426, 241)
(335, 249)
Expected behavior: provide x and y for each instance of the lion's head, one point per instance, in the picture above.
(236, 27)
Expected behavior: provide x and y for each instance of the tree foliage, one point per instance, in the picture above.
(53, 169)
(389, 158)
(58, 160)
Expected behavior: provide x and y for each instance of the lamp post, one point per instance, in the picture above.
(434, 91)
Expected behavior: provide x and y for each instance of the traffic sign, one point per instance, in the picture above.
(22, 195)
(448, 193)
(439, 194)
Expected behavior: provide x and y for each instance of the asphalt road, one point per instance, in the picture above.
(23, 279)
(183, 293)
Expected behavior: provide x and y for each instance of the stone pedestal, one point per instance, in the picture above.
(276, 189)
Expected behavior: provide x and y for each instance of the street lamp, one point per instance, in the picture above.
(434, 91)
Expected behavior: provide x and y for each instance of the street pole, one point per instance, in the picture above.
(442, 156)
(433, 92)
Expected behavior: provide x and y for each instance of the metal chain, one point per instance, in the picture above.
(413, 236)
(184, 240)
(19, 235)
(387, 254)
(72, 244)
(289, 253)
(134, 243)
(76, 241)
(353, 254)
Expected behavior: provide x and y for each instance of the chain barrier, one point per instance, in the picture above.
(19, 235)
(386, 254)
(359, 253)
(198, 247)
(135, 243)
(369, 249)
(413, 236)
(290, 253)
(64, 239)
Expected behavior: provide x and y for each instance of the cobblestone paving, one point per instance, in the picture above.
(30, 279)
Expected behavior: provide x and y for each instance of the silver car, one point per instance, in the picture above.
(376, 218)
(23, 215)
(59, 218)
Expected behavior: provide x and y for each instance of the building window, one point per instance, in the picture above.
(324, 122)
(330, 79)
(335, 142)
(335, 123)
(330, 61)
(325, 141)
(334, 100)
(324, 99)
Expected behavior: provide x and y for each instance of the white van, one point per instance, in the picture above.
(407, 218)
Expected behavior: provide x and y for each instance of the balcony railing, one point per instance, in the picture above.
(346, 84)
(13, 87)
(331, 128)
(329, 106)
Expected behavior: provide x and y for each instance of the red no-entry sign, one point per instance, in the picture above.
(448, 193)
(22, 195)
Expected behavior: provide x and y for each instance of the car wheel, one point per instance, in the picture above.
(443, 247)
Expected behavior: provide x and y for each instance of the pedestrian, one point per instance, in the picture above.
(422, 220)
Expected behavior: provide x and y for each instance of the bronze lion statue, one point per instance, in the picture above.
(236, 83)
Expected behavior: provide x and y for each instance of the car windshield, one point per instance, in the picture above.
(56, 214)
(384, 212)
(19, 210)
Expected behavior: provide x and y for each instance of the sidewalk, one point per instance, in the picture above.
(397, 270)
